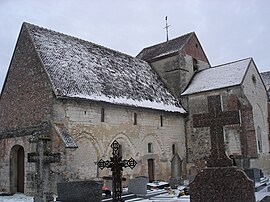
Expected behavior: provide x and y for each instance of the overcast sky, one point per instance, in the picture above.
(228, 30)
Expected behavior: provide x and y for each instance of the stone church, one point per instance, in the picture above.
(78, 97)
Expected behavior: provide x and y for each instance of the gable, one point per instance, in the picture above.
(26, 95)
(81, 69)
(194, 49)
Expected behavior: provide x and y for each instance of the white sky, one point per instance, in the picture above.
(228, 30)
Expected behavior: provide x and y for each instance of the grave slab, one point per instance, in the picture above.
(79, 191)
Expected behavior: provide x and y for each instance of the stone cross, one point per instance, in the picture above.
(215, 119)
(116, 164)
(42, 158)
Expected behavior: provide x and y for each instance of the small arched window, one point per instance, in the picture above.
(120, 151)
(102, 115)
(173, 149)
(259, 139)
(150, 148)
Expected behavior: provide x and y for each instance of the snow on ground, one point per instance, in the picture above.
(16, 198)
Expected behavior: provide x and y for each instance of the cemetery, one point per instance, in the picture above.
(99, 125)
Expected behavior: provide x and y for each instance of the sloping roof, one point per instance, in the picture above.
(266, 79)
(64, 135)
(163, 49)
(218, 77)
(81, 69)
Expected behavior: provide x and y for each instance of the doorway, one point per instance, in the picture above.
(17, 169)
(151, 170)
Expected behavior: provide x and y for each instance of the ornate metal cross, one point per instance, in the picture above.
(116, 164)
(216, 119)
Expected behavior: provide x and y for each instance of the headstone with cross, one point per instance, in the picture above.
(42, 158)
(116, 164)
(220, 181)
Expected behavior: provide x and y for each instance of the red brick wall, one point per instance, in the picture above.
(26, 96)
(194, 49)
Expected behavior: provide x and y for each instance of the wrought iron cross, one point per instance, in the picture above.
(167, 28)
(116, 164)
(215, 119)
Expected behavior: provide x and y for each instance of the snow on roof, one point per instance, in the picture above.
(266, 79)
(163, 49)
(81, 69)
(221, 76)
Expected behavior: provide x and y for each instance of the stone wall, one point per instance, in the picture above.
(94, 137)
(26, 95)
(256, 93)
(241, 140)
(238, 138)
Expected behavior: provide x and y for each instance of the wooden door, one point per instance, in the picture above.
(151, 170)
(20, 170)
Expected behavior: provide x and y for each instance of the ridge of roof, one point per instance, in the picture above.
(83, 40)
(164, 48)
(81, 69)
(228, 63)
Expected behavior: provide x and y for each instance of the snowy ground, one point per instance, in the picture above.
(16, 198)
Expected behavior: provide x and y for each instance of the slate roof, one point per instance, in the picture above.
(266, 79)
(166, 48)
(81, 69)
(65, 136)
(222, 76)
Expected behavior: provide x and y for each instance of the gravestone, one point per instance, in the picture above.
(176, 171)
(220, 181)
(254, 174)
(138, 185)
(80, 191)
(42, 158)
(116, 164)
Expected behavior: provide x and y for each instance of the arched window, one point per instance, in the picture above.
(120, 150)
(150, 148)
(102, 115)
(135, 119)
(259, 139)
(173, 149)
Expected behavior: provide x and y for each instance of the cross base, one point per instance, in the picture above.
(219, 162)
(224, 184)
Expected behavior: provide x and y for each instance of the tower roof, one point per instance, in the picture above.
(163, 49)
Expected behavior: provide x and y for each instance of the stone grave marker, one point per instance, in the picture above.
(116, 164)
(79, 191)
(176, 171)
(254, 174)
(42, 158)
(220, 181)
(138, 185)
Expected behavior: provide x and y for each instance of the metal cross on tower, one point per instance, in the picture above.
(167, 28)
(116, 164)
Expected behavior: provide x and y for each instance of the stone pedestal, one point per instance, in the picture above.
(222, 184)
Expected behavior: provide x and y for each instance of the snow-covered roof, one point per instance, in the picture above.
(266, 79)
(217, 77)
(166, 48)
(81, 69)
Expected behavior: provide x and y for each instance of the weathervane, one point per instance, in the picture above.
(167, 27)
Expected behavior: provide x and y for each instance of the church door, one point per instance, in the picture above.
(17, 169)
(151, 170)
(20, 168)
